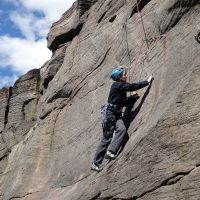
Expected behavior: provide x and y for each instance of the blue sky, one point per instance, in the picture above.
(24, 25)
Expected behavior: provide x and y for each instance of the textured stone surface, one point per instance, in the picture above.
(161, 158)
(17, 113)
(50, 68)
(4, 96)
(70, 25)
(22, 105)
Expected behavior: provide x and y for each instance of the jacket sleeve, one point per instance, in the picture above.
(129, 87)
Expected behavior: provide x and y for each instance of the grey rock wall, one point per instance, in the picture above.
(4, 98)
(17, 113)
(161, 157)
(22, 103)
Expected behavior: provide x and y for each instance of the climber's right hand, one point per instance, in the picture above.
(150, 79)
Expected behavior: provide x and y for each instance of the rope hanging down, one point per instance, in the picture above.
(126, 33)
(126, 36)
(142, 21)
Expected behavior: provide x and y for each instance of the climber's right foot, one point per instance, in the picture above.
(111, 156)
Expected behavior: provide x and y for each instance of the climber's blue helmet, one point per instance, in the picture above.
(116, 73)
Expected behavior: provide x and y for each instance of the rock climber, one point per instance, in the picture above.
(112, 120)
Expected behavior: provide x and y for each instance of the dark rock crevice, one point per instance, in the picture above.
(101, 18)
(184, 4)
(45, 115)
(7, 106)
(141, 5)
(111, 9)
(51, 69)
(54, 68)
(3, 147)
(65, 37)
(112, 19)
(175, 14)
(47, 80)
(24, 105)
(20, 197)
(85, 5)
(4, 156)
(174, 179)
(96, 196)
(25, 195)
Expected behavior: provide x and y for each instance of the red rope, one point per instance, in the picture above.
(140, 47)
(137, 3)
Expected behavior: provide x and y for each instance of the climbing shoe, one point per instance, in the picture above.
(96, 167)
(109, 155)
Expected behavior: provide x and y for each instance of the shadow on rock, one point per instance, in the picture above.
(130, 115)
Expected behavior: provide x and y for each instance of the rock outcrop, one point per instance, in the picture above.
(50, 122)
(18, 112)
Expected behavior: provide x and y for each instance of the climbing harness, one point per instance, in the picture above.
(103, 110)
(105, 121)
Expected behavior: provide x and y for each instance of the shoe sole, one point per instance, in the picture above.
(110, 158)
(93, 169)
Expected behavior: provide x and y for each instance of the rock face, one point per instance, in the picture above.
(4, 98)
(18, 112)
(70, 25)
(50, 123)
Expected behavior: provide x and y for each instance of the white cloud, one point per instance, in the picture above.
(53, 9)
(21, 54)
(30, 26)
(6, 81)
(24, 23)
(24, 54)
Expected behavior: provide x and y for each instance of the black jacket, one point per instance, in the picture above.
(117, 95)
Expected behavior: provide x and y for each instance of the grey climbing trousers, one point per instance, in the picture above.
(110, 141)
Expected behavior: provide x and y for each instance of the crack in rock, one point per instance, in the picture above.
(96, 196)
(170, 181)
(141, 5)
(9, 95)
(20, 197)
(1, 158)
(65, 37)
